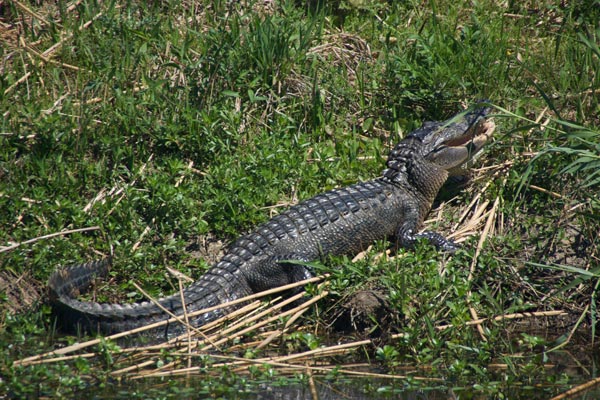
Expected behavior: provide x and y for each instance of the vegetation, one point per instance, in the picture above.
(161, 126)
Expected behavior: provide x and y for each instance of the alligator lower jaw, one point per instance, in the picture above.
(474, 142)
(484, 133)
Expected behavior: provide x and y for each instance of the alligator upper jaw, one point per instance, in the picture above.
(476, 136)
(457, 151)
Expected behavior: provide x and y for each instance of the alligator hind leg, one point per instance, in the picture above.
(279, 270)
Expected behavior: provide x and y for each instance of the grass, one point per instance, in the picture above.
(169, 124)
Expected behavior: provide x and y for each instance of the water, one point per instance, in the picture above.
(564, 369)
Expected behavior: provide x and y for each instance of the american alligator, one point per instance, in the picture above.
(337, 222)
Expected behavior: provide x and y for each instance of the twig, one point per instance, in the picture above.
(177, 318)
(29, 11)
(241, 361)
(482, 239)
(333, 350)
(471, 205)
(56, 45)
(187, 322)
(311, 383)
(236, 326)
(125, 370)
(472, 224)
(273, 318)
(535, 314)
(50, 235)
(17, 83)
(50, 61)
(213, 339)
(577, 389)
(100, 195)
(278, 333)
(139, 241)
(241, 312)
(316, 352)
(546, 191)
(46, 54)
(572, 332)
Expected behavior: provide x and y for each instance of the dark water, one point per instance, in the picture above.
(555, 373)
(339, 389)
(342, 388)
(565, 372)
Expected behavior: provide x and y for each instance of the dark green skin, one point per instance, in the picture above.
(337, 222)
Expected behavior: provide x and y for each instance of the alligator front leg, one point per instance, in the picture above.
(406, 236)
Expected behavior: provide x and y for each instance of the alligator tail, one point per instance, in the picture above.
(217, 286)
(72, 280)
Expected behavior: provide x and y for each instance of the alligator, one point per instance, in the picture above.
(342, 221)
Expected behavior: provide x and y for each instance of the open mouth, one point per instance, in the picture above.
(478, 135)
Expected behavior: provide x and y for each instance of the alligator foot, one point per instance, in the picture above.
(407, 239)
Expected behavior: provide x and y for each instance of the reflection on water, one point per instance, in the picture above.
(355, 390)
(196, 387)
(553, 372)
(343, 388)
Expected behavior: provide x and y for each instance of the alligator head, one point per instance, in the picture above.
(451, 144)
(428, 155)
